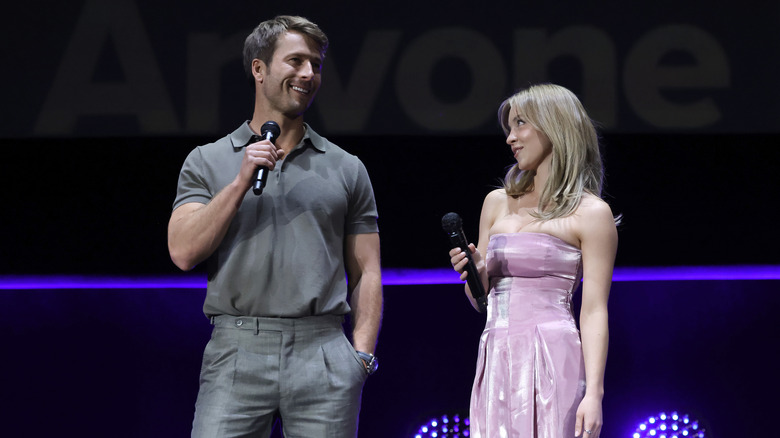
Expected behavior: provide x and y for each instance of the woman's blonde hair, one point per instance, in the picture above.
(576, 165)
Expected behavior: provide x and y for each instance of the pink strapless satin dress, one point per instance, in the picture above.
(530, 373)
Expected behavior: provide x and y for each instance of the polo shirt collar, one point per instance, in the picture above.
(241, 136)
(319, 142)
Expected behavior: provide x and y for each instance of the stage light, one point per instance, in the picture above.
(671, 425)
(445, 426)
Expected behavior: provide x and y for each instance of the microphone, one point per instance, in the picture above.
(269, 131)
(453, 226)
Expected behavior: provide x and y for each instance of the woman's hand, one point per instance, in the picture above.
(459, 260)
(589, 420)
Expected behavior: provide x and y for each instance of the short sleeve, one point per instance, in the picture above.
(192, 186)
(362, 217)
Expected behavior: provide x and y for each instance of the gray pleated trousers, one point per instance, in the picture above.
(302, 369)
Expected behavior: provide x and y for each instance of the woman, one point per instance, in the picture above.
(546, 229)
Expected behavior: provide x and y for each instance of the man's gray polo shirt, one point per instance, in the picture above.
(282, 255)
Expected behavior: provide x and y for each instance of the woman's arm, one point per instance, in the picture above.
(598, 238)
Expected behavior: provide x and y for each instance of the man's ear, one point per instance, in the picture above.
(258, 70)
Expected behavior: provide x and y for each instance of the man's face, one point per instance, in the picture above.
(293, 76)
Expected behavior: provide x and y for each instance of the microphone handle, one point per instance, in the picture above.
(473, 279)
(261, 175)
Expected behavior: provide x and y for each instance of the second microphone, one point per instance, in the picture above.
(453, 226)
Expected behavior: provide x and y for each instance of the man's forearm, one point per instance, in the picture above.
(366, 303)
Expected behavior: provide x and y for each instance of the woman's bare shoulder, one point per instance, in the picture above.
(492, 207)
(594, 217)
(496, 194)
(494, 198)
(591, 205)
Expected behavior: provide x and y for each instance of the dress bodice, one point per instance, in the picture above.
(541, 271)
(533, 256)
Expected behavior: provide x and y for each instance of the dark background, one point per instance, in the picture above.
(93, 197)
(102, 205)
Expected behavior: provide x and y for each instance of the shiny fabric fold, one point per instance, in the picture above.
(530, 374)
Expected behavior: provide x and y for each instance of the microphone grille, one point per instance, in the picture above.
(451, 222)
(272, 127)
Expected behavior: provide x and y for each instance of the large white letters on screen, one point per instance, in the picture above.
(345, 107)
(74, 93)
(651, 89)
(647, 78)
(534, 49)
(414, 76)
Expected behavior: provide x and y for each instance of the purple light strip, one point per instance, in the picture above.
(186, 281)
(677, 273)
(390, 277)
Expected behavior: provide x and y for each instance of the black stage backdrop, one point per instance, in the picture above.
(101, 206)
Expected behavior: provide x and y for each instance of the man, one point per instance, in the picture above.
(277, 293)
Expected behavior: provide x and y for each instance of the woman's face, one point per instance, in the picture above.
(530, 147)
